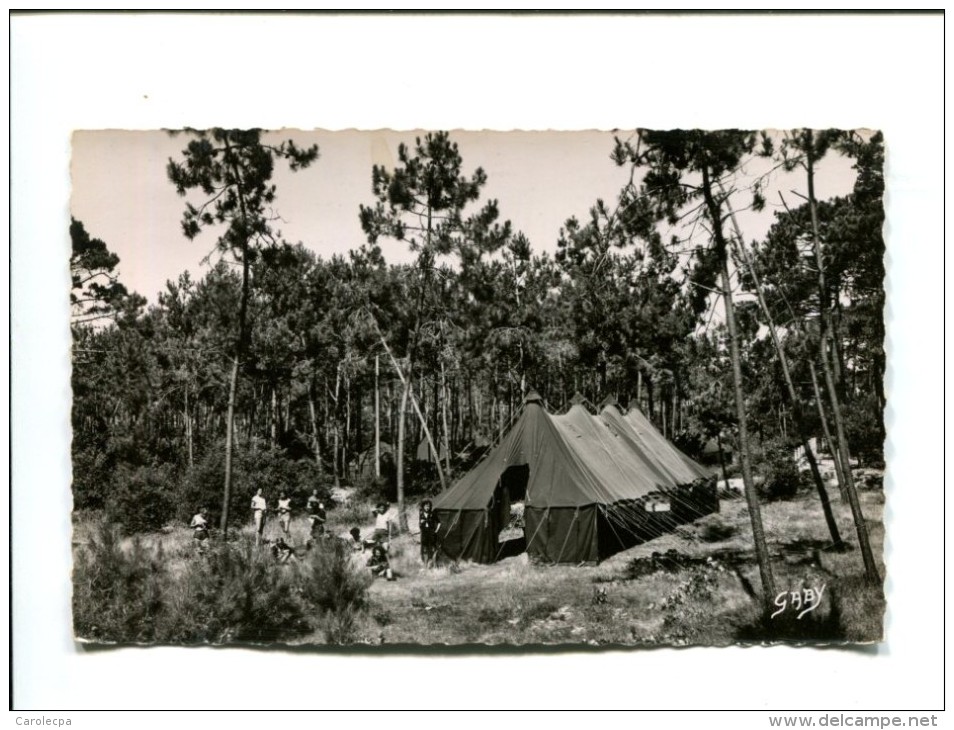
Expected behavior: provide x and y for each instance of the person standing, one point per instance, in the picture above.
(318, 519)
(284, 513)
(429, 525)
(313, 501)
(382, 524)
(200, 529)
(259, 507)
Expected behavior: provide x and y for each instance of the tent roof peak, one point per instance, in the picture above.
(610, 400)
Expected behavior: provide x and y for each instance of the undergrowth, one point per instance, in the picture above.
(233, 592)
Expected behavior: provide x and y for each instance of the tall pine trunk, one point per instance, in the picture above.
(871, 569)
(315, 436)
(377, 417)
(336, 460)
(233, 387)
(405, 392)
(188, 427)
(273, 420)
(229, 426)
(345, 450)
(794, 400)
(751, 496)
(447, 462)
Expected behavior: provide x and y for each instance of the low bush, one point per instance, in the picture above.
(332, 584)
(118, 595)
(422, 479)
(238, 592)
(782, 478)
(234, 592)
(539, 611)
(142, 499)
(373, 489)
(493, 615)
(92, 473)
(715, 530)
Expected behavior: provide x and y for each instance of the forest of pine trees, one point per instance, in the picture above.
(278, 366)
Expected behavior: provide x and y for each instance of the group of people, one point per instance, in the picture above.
(314, 507)
(379, 544)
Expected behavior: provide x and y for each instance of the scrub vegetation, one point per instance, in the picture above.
(684, 588)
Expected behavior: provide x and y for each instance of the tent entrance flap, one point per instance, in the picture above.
(514, 481)
(510, 492)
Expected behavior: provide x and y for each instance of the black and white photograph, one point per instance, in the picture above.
(493, 360)
(450, 387)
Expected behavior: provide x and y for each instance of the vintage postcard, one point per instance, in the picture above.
(611, 388)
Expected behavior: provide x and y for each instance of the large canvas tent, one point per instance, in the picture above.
(588, 483)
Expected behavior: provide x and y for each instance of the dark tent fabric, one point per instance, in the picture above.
(364, 463)
(585, 478)
(563, 534)
(424, 452)
(672, 458)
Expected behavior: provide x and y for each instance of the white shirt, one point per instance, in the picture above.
(258, 502)
(381, 521)
(198, 521)
(284, 505)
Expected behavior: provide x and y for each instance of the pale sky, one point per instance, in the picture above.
(122, 194)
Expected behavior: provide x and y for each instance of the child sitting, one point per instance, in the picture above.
(379, 563)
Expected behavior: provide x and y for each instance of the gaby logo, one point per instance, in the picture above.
(804, 601)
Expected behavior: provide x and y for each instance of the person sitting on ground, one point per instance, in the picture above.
(200, 529)
(379, 563)
(429, 525)
(284, 513)
(357, 544)
(282, 550)
(259, 507)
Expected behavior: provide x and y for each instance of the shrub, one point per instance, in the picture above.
(91, 477)
(864, 426)
(373, 489)
(715, 530)
(118, 595)
(142, 499)
(493, 615)
(234, 592)
(782, 479)
(332, 584)
(422, 479)
(383, 617)
(238, 592)
(539, 610)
